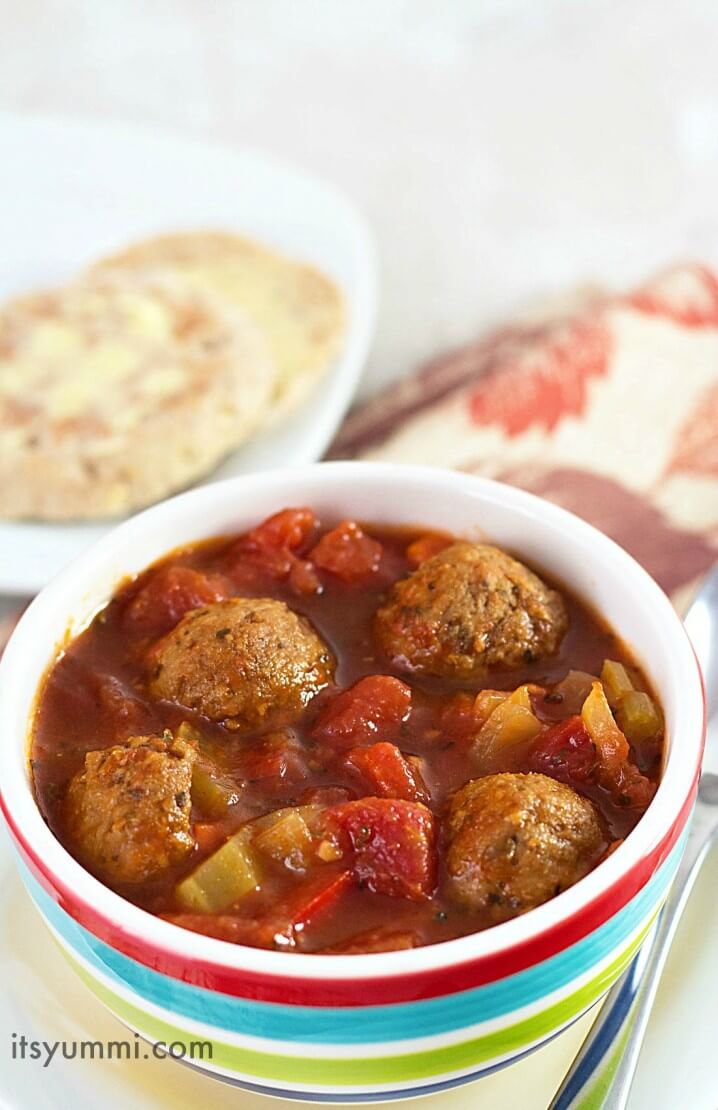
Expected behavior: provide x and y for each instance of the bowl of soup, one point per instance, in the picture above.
(371, 778)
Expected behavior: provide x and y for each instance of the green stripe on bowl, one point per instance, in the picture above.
(363, 1071)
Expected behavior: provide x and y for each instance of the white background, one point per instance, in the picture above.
(500, 151)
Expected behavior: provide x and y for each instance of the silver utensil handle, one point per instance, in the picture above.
(616, 1090)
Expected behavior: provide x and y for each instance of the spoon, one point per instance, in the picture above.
(606, 1064)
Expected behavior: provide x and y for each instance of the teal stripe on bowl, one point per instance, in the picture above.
(344, 1025)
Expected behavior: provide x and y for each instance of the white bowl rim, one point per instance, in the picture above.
(679, 774)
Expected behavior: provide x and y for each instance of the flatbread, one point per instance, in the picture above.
(120, 389)
(298, 309)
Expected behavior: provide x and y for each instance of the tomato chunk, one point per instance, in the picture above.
(393, 844)
(388, 772)
(630, 787)
(374, 708)
(565, 752)
(269, 553)
(426, 546)
(348, 553)
(287, 530)
(317, 900)
(165, 598)
(278, 756)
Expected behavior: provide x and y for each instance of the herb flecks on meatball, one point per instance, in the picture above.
(128, 809)
(467, 610)
(246, 662)
(517, 840)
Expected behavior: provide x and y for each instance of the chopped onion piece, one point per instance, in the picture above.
(611, 745)
(511, 722)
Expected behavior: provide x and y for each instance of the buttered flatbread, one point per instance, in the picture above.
(119, 390)
(298, 309)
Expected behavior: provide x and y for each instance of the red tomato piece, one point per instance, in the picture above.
(426, 546)
(124, 713)
(319, 900)
(458, 718)
(208, 836)
(630, 787)
(278, 755)
(348, 553)
(303, 577)
(393, 844)
(374, 708)
(388, 772)
(269, 553)
(165, 598)
(286, 530)
(565, 751)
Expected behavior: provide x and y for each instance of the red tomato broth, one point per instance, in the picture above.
(95, 696)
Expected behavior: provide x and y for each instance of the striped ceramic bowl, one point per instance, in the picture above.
(366, 1027)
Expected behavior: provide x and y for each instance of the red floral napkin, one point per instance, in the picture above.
(609, 407)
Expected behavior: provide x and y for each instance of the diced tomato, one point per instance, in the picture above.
(165, 598)
(388, 773)
(393, 844)
(629, 787)
(348, 553)
(207, 835)
(426, 546)
(303, 577)
(286, 530)
(269, 553)
(278, 755)
(119, 705)
(565, 752)
(317, 900)
(374, 708)
(458, 718)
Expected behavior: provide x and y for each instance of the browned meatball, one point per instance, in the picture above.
(128, 810)
(245, 661)
(469, 609)
(514, 841)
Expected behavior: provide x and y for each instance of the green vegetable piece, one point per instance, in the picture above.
(288, 841)
(616, 682)
(639, 717)
(223, 878)
(211, 793)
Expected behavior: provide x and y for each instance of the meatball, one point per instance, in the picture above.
(514, 841)
(469, 609)
(128, 809)
(245, 661)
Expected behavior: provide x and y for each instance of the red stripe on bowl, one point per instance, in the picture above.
(406, 987)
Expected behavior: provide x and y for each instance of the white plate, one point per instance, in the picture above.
(43, 1000)
(73, 191)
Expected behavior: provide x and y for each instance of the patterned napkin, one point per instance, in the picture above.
(607, 405)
